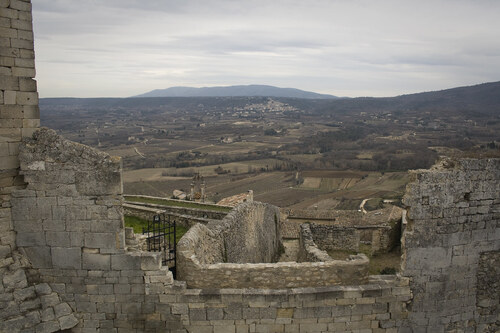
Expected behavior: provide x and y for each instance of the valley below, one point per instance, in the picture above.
(296, 153)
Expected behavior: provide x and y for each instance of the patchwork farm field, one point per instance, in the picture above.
(300, 190)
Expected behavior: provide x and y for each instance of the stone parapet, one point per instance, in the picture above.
(378, 306)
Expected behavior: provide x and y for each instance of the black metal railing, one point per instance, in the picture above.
(161, 238)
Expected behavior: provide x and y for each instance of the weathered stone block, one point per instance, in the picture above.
(96, 261)
(43, 289)
(125, 262)
(30, 239)
(48, 327)
(62, 309)
(29, 305)
(103, 225)
(57, 238)
(30, 111)
(9, 162)
(25, 72)
(100, 240)
(50, 300)
(21, 6)
(151, 261)
(28, 63)
(28, 35)
(67, 257)
(99, 183)
(67, 322)
(429, 258)
(9, 83)
(76, 239)
(81, 226)
(47, 314)
(39, 256)
(31, 123)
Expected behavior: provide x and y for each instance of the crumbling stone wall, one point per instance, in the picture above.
(23, 305)
(203, 257)
(69, 223)
(453, 220)
(70, 210)
(310, 250)
(19, 113)
(385, 238)
(251, 233)
(488, 291)
(248, 234)
(329, 237)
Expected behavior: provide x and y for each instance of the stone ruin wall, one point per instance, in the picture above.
(308, 249)
(335, 238)
(450, 260)
(451, 244)
(22, 304)
(382, 233)
(353, 270)
(69, 225)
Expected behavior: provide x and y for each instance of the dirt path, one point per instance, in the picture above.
(139, 153)
(362, 205)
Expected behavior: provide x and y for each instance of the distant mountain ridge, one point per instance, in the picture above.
(236, 91)
(478, 99)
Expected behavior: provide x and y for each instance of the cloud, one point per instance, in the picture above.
(355, 47)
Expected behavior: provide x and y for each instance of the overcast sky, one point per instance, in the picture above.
(120, 48)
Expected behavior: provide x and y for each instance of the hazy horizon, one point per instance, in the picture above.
(342, 48)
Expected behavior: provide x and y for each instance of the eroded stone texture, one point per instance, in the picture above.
(73, 234)
(21, 305)
(453, 217)
(488, 291)
(335, 237)
(224, 255)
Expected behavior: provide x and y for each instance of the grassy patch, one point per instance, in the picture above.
(135, 222)
(138, 223)
(348, 204)
(340, 254)
(374, 204)
(172, 203)
(384, 263)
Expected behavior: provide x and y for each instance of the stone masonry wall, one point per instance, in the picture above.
(310, 251)
(453, 220)
(379, 306)
(69, 223)
(252, 233)
(329, 237)
(248, 234)
(19, 113)
(23, 305)
(202, 263)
